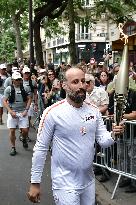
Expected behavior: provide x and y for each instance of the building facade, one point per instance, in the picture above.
(91, 41)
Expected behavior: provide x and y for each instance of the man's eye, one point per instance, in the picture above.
(83, 81)
(75, 81)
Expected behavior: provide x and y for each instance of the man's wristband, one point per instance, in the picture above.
(26, 109)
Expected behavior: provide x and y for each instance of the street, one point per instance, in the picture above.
(15, 171)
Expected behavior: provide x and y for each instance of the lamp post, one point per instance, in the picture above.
(31, 47)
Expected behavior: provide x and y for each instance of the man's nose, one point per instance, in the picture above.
(82, 84)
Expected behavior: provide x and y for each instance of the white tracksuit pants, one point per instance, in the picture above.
(84, 196)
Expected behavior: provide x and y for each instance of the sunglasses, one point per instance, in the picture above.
(88, 82)
(18, 79)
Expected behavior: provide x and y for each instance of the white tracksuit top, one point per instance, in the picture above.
(73, 132)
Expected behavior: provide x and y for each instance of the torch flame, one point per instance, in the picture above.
(124, 36)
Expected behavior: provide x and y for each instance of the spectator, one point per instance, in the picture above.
(99, 97)
(96, 95)
(130, 114)
(17, 101)
(60, 70)
(104, 79)
(3, 77)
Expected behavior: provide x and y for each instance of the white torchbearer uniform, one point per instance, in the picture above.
(73, 132)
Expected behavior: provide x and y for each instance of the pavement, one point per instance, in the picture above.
(15, 175)
(104, 192)
(15, 171)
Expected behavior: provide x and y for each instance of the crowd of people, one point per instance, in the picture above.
(69, 98)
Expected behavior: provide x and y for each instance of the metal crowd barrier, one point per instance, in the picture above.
(120, 158)
(37, 115)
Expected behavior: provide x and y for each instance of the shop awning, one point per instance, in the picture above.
(119, 44)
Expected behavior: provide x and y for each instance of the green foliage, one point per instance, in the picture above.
(9, 8)
(52, 27)
(130, 3)
(24, 27)
(39, 3)
(116, 10)
(7, 45)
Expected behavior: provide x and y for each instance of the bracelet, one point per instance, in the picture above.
(27, 109)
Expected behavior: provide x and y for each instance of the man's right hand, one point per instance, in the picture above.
(34, 193)
(13, 114)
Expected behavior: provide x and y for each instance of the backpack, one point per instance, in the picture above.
(1, 81)
(31, 86)
(12, 94)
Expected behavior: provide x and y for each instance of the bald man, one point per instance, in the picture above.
(73, 126)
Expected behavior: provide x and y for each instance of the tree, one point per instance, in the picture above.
(47, 8)
(73, 16)
(7, 42)
(71, 19)
(118, 11)
(14, 10)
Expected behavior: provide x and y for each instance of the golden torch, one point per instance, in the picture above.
(122, 82)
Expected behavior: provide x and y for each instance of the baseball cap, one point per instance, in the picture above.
(42, 70)
(16, 75)
(15, 69)
(2, 66)
(26, 69)
(101, 63)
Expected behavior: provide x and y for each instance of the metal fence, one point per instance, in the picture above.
(38, 114)
(120, 158)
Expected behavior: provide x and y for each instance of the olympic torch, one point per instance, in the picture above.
(122, 83)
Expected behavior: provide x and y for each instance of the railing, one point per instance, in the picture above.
(83, 36)
(38, 114)
(120, 158)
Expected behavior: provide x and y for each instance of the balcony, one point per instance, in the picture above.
(60, 41)
(83, 36)
(88, 3)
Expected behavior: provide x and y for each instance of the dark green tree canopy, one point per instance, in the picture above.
(120, 11)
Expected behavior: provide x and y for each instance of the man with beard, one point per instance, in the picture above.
(73, 126)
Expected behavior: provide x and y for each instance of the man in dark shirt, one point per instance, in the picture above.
(128, 144)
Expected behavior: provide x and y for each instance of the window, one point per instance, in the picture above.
(49, 44)
(54, 43)
(131, 29)
(84, 26)
(102, 34)
(60, 41)
(86, 2)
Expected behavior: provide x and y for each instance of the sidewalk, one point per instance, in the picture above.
(104, 193)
